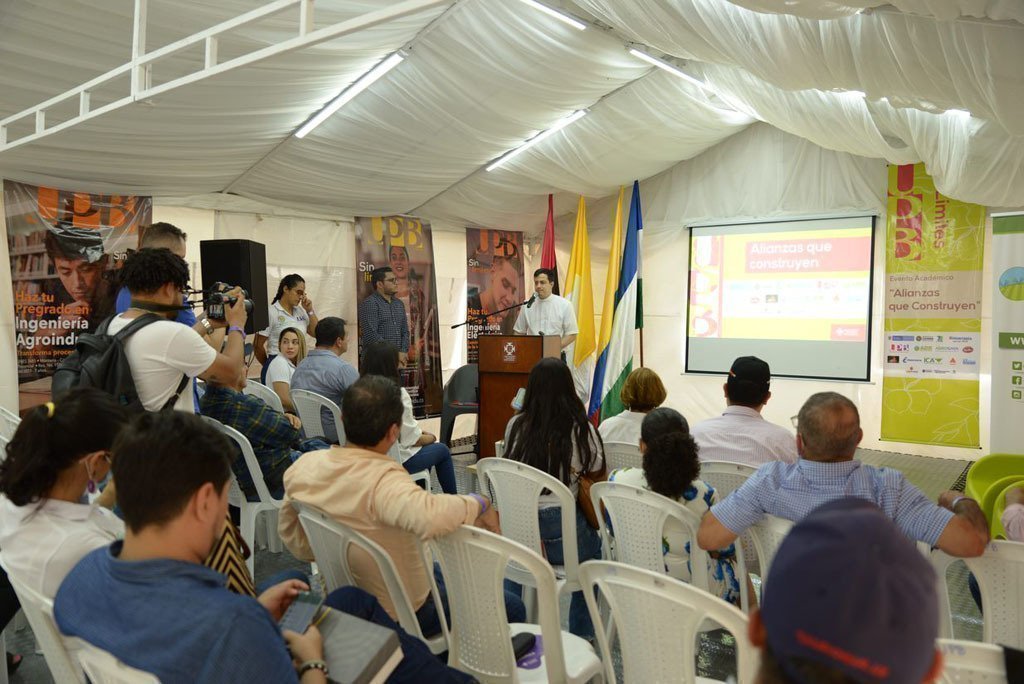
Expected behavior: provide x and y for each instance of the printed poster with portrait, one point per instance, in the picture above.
(495, 281)
(65, 248)
(404, 243)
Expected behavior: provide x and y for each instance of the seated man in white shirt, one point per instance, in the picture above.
(548, 314)
(740, 434)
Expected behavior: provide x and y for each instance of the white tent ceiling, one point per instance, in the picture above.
(484, 75)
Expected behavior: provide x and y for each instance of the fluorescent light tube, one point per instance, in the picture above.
(665, 66)
(364, 82)
(578, 114)
(564, 18)
(959, 112)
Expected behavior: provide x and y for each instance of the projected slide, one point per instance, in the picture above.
(797, 294)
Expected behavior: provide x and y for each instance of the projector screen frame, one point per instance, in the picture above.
(866, 379)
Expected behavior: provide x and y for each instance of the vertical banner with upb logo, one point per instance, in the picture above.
(933, 283)
(1007, 333)
(495, 281)
(64, 247)
(404, 243)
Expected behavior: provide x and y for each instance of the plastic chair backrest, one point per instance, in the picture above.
(9, 423)
(622, 455)
(236, 497)
(1000, 575)
(253, 465)
(767, 534)
(990, 468)
(464, 385)
(517, 488)
(103, 668)
(312, 407)
(39, 611)
(725, 476)
(474, 562)
(971, 662)
(269, 396)
(638, 518)
(331, 540)
(658, 620)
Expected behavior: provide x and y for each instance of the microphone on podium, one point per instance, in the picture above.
(530, 302)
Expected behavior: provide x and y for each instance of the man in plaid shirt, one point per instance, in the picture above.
(275, 437)
(382, 315)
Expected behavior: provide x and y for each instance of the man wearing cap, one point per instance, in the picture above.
(828, 433)
(740, 434)
(849, 598)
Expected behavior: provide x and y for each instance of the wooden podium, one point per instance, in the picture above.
(505, 364)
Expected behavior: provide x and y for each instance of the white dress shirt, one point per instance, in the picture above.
(551, 316)
(741, 435)
(42, 543)
(623, 428)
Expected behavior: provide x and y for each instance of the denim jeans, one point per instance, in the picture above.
(588, 547)
(438, 457)
(430, 623)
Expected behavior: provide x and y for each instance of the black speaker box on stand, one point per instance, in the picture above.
(239, 262)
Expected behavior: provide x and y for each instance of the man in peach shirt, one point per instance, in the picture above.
(362, 487)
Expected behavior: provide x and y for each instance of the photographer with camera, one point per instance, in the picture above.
(164, 355)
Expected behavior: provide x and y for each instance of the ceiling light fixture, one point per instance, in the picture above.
(959, 112)
(564, 18)
(670, 68)
(578, 114)
(364, 82)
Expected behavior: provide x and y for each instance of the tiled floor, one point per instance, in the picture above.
(716, 660)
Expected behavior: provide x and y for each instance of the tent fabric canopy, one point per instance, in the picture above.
(482, 76)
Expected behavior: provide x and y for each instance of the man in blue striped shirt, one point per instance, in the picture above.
(828, 433)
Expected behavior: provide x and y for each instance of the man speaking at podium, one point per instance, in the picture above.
(547, 313)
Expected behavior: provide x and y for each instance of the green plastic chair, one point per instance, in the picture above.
(987, 469)
(995, 520)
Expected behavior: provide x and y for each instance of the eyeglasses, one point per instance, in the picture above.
(391, 280)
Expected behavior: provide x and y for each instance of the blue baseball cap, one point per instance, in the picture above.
(849, 590)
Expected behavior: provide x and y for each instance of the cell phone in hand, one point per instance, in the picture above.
(522, 643)
(301, 612)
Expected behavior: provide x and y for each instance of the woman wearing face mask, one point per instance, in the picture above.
(291, 308)
(59, 453)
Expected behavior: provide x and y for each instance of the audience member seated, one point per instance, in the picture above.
(275, 437)
(828, 433)
(360, 486)
(552, 434)
(59, 453)
(849, 599)
(671, 468)
(291, 351)
(324, 371)
(149, 601)
(642, 392)
(740, 434)
(381, 358)
(1013, 515)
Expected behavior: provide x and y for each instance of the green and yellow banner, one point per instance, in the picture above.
(1007, 333)
(933, 283)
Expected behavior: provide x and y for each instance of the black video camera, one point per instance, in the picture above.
(215, 299)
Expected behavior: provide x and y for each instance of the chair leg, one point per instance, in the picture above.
(274, 544)
(249, 535)
(530, 600)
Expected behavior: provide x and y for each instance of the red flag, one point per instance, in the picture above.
(547, 251)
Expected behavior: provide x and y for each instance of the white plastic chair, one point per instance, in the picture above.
(474, 563)
(638, 519)
(250, 510)
(309, 405)
(422, 476)
(103, 668)
(39, 611)
(1000, 575)
(659, 619)
(331, 541)
(256, 389)
(971, 662)
(517, 489)
(766, 536)
(9, 423)
(725, 476)
(622, 455)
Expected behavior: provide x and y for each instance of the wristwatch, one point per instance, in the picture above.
(207, 327)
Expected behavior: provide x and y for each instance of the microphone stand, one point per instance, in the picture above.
(484, 316)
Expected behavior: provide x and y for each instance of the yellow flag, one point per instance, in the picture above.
(578, 288)
(611, 282)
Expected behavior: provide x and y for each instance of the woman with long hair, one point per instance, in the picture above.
(552, 434)
(381, 358)
(291, 308)
(291, 345)
(671, 468)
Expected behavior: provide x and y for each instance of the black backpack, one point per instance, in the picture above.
(100, 361)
